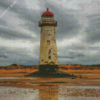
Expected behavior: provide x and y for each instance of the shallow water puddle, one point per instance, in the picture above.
(51, 93)
(79, 92)
(78, 98)
(9, 77)
(16, 78)
(13, 93)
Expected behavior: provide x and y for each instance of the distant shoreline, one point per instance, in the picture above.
(61, 67)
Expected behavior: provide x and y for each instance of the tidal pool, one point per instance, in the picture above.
(51, 93)
(9, 77)
(79, 92)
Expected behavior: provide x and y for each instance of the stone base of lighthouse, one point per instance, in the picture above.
(49, 68)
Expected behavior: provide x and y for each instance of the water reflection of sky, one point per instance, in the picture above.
(51, 93)
(81, 87)
(9, 77)
(13, 93)
(79, 92)
(78, 98)
(89, 74)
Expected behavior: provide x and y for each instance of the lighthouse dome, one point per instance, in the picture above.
(47, 13)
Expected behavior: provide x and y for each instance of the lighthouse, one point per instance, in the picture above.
(48, 60)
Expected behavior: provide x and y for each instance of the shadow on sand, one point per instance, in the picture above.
(47, 74)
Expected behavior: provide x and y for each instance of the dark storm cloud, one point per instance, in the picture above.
(76, 54)
(69, 57)
(3, 4)
(94, 48)
(72, 55)
(77, 47)
(96, 37)
(80, 55)
(66, 23)
(2, 55)
(26, 14)
(3, 23)
(93, 32)
(31, 17)
(11, 34)
(33, 61)
(33, 27)
(91, 60)
(16, 56)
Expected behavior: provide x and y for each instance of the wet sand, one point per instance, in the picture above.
(88, 78)
(84, 88)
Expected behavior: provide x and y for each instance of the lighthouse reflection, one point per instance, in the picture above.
(48, 92)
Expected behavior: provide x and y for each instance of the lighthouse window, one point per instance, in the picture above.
(49, 57)
(48, 40)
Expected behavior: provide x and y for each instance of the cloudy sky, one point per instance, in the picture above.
(77, 33)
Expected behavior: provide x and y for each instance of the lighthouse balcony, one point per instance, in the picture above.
(47, 23)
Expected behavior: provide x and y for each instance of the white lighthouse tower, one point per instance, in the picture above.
(48, 59)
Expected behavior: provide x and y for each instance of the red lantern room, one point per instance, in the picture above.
(47, 13)
(47, 19)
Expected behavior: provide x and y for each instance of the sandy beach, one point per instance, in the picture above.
(56, 88)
